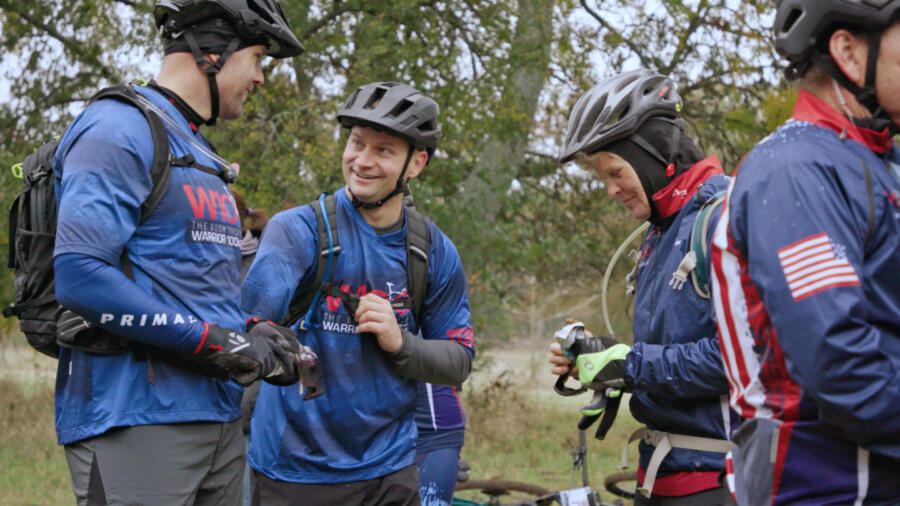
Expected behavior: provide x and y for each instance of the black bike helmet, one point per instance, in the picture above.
(802, 29)
(252, 20)
(400, 110)
(616, 108)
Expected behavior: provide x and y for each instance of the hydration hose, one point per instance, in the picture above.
(609, 268)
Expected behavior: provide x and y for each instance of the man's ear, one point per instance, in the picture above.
(417, 163)
(850, 52)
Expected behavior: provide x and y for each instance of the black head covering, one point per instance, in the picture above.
(213, 36)
(658, 143)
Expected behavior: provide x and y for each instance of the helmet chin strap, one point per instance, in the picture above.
(211, 70)
(400, 188)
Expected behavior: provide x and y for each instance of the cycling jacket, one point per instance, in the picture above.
(679, 383)
(807, 264)
(363, 426)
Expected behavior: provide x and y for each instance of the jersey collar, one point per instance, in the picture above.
(811, 109)
(676, 194)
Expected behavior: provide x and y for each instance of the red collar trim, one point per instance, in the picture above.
(811, 109)
(676, 194)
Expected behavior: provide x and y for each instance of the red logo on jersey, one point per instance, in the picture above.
(211, 204)
(334, 303)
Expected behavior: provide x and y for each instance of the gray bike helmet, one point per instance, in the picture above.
(400, 110)
(616, 108)
(397, 108)
(251, 20)
(802, 28)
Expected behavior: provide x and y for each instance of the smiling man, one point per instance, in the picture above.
(361, 433)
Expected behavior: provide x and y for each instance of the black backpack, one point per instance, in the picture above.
(32, 235)
(418, 243)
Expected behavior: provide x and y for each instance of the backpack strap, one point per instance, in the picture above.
(417, 260)
(699, 245)
(418, 246)
(160, 169)
(329, 247)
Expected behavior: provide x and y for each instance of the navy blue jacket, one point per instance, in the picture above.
(675, 364)
(807, 289)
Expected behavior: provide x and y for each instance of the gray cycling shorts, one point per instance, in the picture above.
(182, 463)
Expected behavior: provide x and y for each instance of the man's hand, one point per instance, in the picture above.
(376, 315)
(560, 362)
(264, 352)
(285, 346)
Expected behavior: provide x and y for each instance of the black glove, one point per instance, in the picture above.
(287, 349)
(262, 353)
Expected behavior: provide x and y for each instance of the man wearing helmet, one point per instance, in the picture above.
(628, 130)
(360, 434)
(145, 429)
(806, 258)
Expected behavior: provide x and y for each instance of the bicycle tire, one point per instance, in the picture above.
(499, 488)
(611, 482)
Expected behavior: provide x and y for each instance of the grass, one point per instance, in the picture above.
(32, 467)
(518, 429)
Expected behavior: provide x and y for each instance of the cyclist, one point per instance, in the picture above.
(628, 130)
(361, 433)
(144, 430)
(441, 423)
(806, 258)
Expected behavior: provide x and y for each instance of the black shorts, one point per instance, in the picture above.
(400, 488)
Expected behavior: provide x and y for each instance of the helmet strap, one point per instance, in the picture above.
(400, 188)
(211, 70)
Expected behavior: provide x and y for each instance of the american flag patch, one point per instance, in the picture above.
(810, 266)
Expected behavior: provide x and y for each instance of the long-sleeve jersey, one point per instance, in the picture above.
(186, 271)
(807, 293)
(363, 426)
(679, 382)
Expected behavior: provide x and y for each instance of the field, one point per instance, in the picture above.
(519, 429)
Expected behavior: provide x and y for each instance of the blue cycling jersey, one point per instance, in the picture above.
(183, 259)
(363, 426)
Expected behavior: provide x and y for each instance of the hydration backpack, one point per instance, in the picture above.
(32, 234)
(418, 244)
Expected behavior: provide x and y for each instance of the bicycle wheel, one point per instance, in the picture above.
(613, 480)
(502, 491)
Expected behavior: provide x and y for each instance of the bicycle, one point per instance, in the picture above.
(500, 492)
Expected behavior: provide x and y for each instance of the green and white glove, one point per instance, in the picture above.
(604, 369)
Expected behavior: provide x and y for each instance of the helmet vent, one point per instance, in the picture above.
(263, 13)
(376, 97)
(592, 118)
(351, 100)
(791, 19)
(400, 108)
(623, 113)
